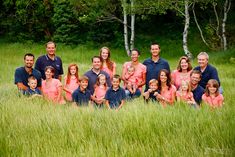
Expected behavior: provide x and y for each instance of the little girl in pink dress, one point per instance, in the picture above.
(100, 90)
(71, 81)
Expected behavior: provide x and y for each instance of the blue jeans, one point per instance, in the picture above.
(129, 95)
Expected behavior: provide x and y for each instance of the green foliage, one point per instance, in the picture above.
(65, 23)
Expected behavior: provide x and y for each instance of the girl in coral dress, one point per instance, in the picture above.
(71, 81)
(107, 65)
(100, 90)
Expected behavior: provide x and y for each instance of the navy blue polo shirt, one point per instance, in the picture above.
(81, 98)
(93, 77)
(153, 69)
(115, 96)
(152, 97)
(197, 94)
(44, 61)
(209, 73)
(21, 76)
(32, 92)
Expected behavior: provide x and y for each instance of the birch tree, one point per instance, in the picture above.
(226, 9)
(128, 45)
(219, 26)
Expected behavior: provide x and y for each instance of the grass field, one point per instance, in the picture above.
(34, 127)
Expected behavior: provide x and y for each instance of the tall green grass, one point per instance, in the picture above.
(35, 127)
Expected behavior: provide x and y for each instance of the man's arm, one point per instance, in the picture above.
(21, 86)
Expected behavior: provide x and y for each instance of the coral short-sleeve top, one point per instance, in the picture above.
(215, 101)
(73, 85)
(178, 77)
(140, 72)
(186, 97)
(51, 90)
(107, 70)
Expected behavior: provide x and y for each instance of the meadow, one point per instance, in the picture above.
(34, 127)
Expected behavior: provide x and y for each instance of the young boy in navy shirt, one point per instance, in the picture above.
(81, 96)
(152, 92)
(32, 89)
(115, 95)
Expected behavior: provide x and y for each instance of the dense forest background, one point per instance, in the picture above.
(101, 21)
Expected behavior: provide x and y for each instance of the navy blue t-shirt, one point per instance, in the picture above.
(197, 94)
(32, 92)
(93, 77)
(21, 76)
(209, 73)
(115, 96)
(152, 97)
(153, 69)
(44, 61)
(81, 98)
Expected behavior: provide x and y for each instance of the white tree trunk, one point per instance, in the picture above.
(199, 28)
(125, 28)
(186, 27)
(218, 23)
(227, 5)
(132, 40)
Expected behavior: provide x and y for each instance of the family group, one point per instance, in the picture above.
(100, 86)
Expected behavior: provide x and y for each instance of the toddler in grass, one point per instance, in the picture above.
(32, 89)
(184, 94)
(100, 90)
(71, 81)
(152, 92)
(212, 97)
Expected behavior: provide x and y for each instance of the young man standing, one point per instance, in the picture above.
(50, 59)
(154, 64)
(94, 72)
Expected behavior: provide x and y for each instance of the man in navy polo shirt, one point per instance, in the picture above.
(154, 64)
(23, 73)
(197, 90)
(207, 70)
(94, 72)
(50, 59)
(115, 95)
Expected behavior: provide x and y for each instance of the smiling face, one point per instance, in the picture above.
(155, 50)
(49, 74)
(96, 63)
(195, 78)
(153, 86)
(32, 83)
(73, 70)
(134, 56)
(104, 53)
(202, 61)
(102, 80)
(115, 83)
(184, 64)
(83, 84)
(184, 86)
(29, 61)
(51, 49)
(163, 77)
(212, 89)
